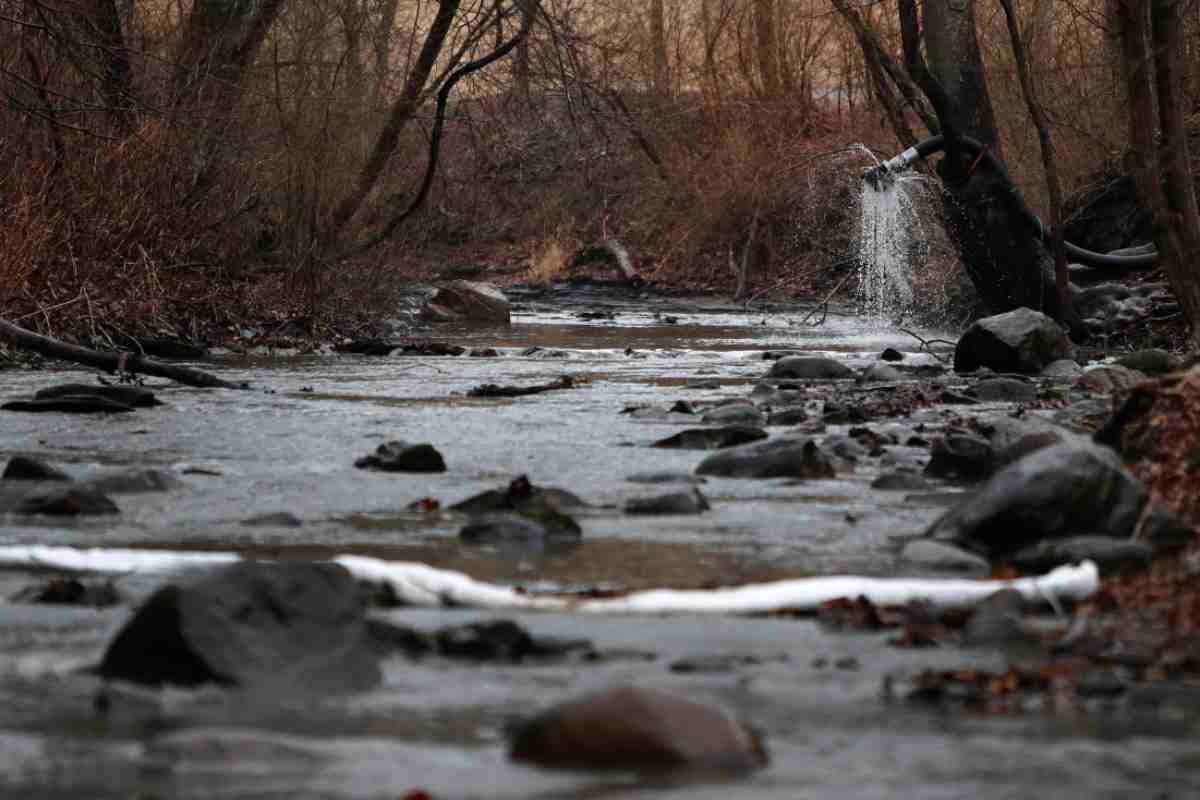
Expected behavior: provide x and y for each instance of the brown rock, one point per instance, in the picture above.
(469, 301)
(632, 728)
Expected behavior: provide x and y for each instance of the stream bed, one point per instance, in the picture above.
(820, 698)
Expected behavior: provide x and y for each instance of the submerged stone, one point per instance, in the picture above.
(397, 456)
(810, 368)
(634, 728)
(134, 396)
(712, 438)
(690, 502)
(774, 458)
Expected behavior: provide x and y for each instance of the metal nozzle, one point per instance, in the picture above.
(879, 178)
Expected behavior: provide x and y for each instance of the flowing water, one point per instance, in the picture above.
(888, 228)
(819, 697)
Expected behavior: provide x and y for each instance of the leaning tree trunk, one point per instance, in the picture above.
(999, 248)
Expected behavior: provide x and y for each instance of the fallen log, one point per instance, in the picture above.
(132, 363)
(495, 390)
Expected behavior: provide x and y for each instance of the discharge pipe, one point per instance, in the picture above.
(882, 176)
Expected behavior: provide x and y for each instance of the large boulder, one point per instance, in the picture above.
(773, 458)
(633, 728)
(1073, 488)
(469, 301)
(1023, 340)
(258, 624)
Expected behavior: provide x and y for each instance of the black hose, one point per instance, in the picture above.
(1089, 257)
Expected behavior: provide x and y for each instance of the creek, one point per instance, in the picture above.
(819, 697)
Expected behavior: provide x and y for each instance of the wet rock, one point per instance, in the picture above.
(941, 556)
(72, 404)
(275, 626)
(1111, 555)
(787, 416)
(65, 590)
(498, 527)
(1023, 340)
(134, 396)
(900, 480)
(468, 301)
(809, 368)
(397, 456)
(689, 502)
(881, 373)
(1026, 444)
(368, 347)
(67, 501)
(846, 448)
(277, 519)
(483, 352)
(1063, 369)
(774, 458)
(702, 383)
(1003, 390)
(1109, 378)
(998, 619)
(716, 663)
(501, 640)
(536, 351)
(734, 414)
(891, 354)
(634, 728)
(1149, 362)
(711, 438)
(961, 457)
(1070, 489)
(776, 355)
(665, 477)
(520, 495)
(26, 468)
(843, 414)
(134, 481)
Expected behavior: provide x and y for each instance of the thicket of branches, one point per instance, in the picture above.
(175, 165)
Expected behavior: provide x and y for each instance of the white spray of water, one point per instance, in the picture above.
(888, 225)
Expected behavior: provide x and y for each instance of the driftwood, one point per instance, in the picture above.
(111, 362)
(609, 251)
(495, 390)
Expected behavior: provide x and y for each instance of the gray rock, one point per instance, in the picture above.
(1003, 390)
(279, 627)
(809, 368)
(941, 556)
(1028, 443)
(1023, 340)
(134, 481)
(634, 728)
(1109, 378)
(510, 526)
(665, 477)
(66, 500)
(520, 495)
(469, 301)
(774, 458)
(712, 438)
(26, 468)
(787, 416)
(1110, 555)
(734, 414)
(702, 383)
(397, 456)
(961, 457)
(999, 620)
(1073, 488)
(689, 502)
(1063, 368)
(133, 396)
(882, 373)
(891, 354)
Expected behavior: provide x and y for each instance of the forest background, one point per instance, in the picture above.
(182, 167)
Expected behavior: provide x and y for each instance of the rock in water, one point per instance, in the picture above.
(712, 438)
(1069, 489)
(774, 458)
(961, 456)
(396, 456)
(632, 728)
(25, 468)
(134, 396)
(68, 502)
(811, 368)
(1023, 340)
(280, 626)
(469, 301)
(689, 502)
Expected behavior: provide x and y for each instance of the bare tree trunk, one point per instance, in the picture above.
(401, 114)
(957, 65)
(658, 48)
(767, 46)
(1182, 218)
(383, 49)
(1049, 163)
